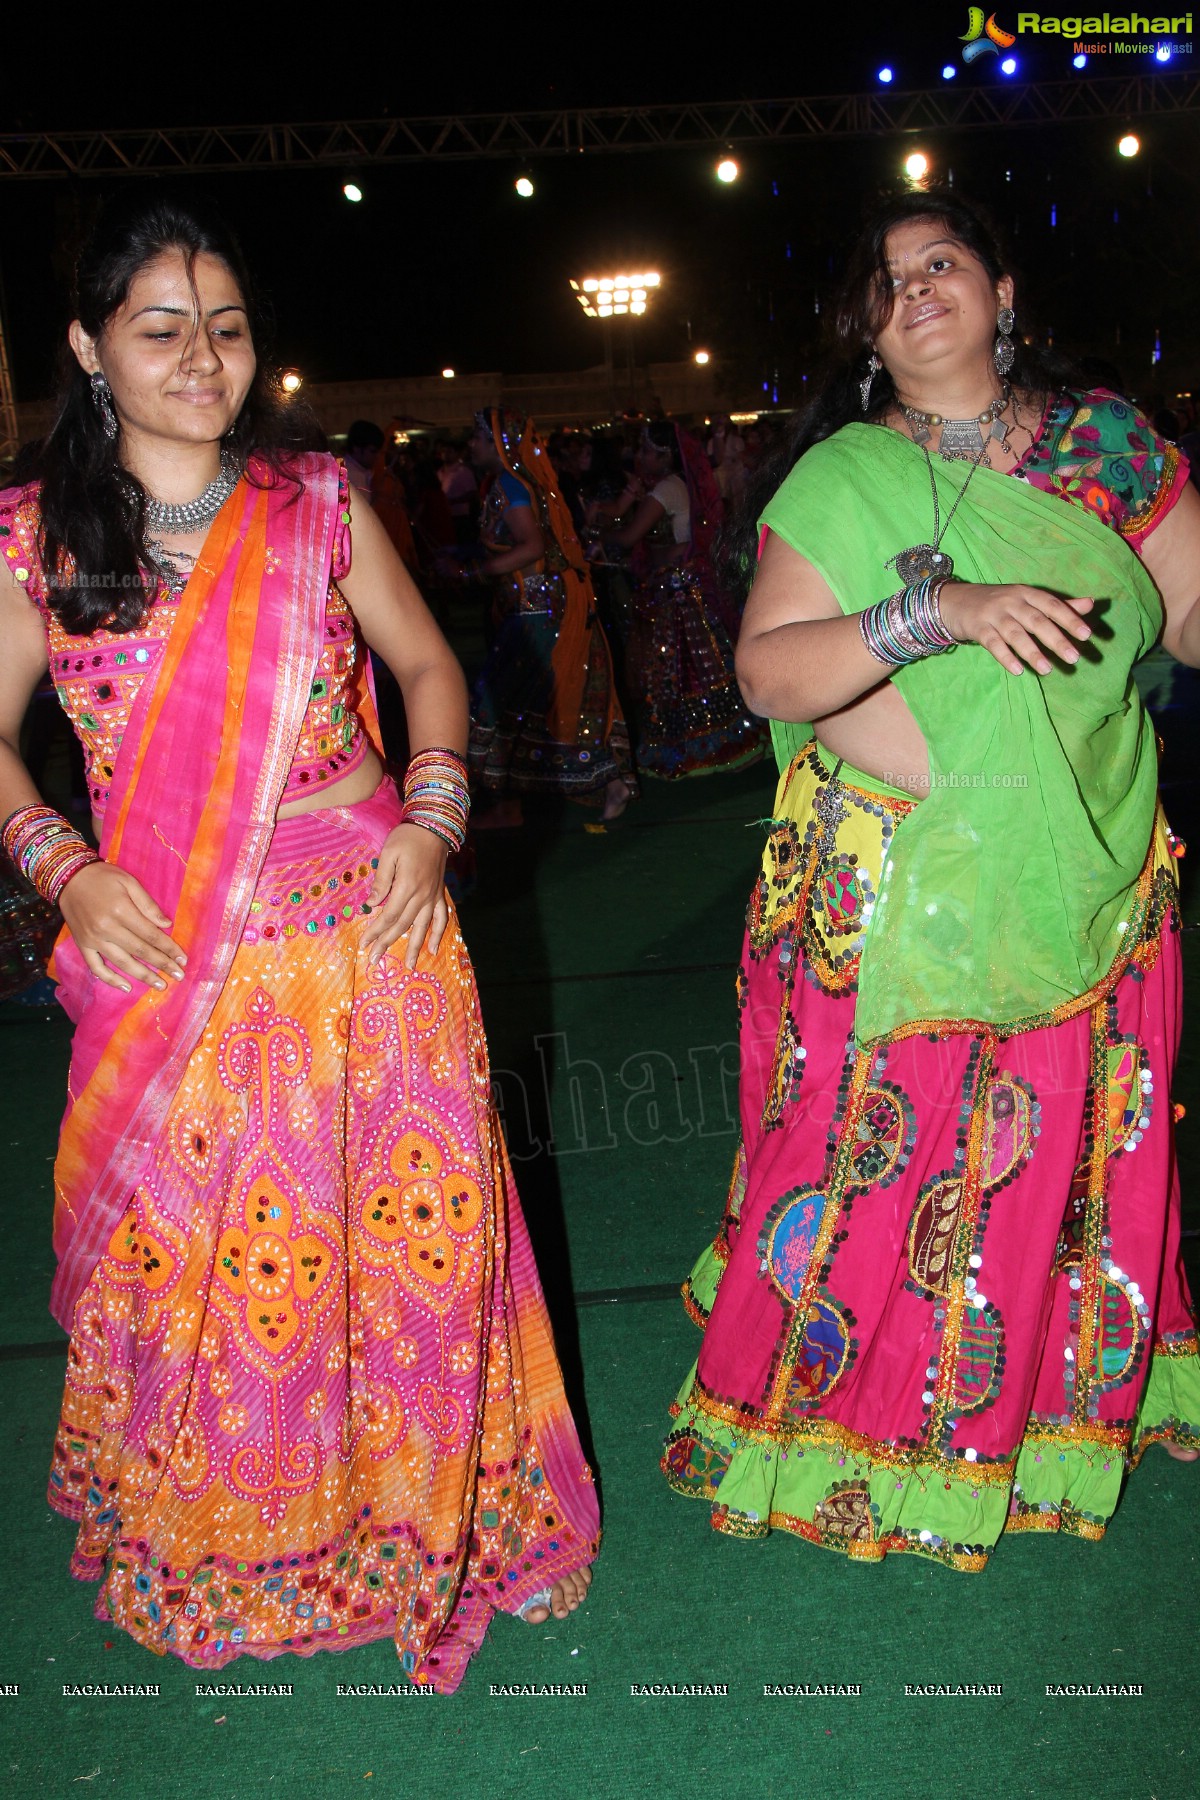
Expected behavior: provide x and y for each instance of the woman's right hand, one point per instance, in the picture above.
(118, 929)
(1016, 625)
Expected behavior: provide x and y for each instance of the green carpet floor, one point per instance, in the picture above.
(606, 968)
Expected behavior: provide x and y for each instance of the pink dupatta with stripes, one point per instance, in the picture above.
(197, 784)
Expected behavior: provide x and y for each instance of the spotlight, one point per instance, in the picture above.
(524, 187)
(1129, 145)
(702, 357)
(949, 72)
(916, 165)
(1009, 66)
(1079, 62)
(291, 381)
(886, 75)
(727, 170)
(447, 374)
(352, 191)
(1163, 53)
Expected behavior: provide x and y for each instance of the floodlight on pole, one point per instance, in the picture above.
(610, 296)
(702, 357)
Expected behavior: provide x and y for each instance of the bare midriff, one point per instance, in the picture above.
(358, 785)
(878, 734)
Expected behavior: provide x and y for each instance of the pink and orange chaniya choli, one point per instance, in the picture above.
(312, 1396)
(946, 1299)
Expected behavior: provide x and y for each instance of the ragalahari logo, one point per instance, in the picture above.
(983, 37)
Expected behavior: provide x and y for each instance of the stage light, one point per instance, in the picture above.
(916, 166)
(727, 170)
(448, 374)
(886, 75)
(1009, 66)
(1129, 145)
(1163, 53)
(949, 72)
(352, 191)
(702, 357)
(291, 381)
(524, 187)
(1079, 62)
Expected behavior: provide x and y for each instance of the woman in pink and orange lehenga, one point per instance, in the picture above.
(312, 1397)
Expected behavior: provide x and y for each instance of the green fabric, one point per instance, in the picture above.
(1005, 891)
(788, 741)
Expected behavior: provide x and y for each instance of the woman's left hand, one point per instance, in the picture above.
(407, 895)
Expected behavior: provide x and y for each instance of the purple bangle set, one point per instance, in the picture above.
(908, 626)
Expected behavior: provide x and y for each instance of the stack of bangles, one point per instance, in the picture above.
(907, 626)
(436, 796)
(46, 848)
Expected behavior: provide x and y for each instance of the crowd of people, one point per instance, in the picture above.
(312, 1397)
(610, 639)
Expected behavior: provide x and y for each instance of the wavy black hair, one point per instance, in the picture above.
(92, 509)
(863, 307)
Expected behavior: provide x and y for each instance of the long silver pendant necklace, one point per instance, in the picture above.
(962, 441)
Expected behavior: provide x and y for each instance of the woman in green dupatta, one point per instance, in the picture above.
(946, 1298)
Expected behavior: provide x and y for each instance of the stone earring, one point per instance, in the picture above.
(102, 399)
(1003, 352)
(864, 386)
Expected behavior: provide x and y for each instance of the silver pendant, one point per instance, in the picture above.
(921, 563)
(962, 440)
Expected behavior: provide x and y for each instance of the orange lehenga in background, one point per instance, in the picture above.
(312, 1396)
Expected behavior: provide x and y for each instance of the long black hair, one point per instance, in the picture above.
(92, 509)
(863, 307)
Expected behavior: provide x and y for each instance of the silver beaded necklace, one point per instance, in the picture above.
(165, 518)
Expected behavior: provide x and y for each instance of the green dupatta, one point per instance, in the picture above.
(1006, 892)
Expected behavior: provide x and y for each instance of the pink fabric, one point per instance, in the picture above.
(164, 816)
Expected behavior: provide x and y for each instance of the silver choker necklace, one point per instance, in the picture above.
(962, 439)
(170, 519)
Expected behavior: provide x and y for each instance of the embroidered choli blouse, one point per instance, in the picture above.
(97, 678)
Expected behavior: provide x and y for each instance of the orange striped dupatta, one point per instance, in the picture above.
(527, 459)
(196, 787)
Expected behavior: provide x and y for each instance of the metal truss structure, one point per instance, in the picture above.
(524, 137)
(610, 130)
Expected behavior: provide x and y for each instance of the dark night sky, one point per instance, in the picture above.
(443, 263)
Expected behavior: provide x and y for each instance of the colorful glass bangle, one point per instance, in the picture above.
(436, 795)
(907, 626)
(46, 848)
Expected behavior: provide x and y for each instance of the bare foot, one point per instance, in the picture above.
(617, 796)
(506, 815)
(1181, 1453)
(565, 1596)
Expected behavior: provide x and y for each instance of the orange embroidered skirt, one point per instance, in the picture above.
(312, 1396)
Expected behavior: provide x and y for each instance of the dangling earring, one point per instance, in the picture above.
(1003, 352)
(864, 386)
(102, 397)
